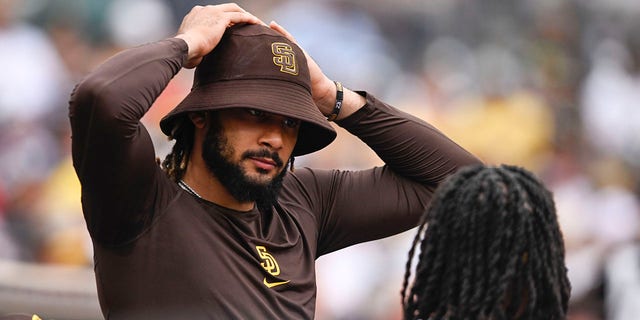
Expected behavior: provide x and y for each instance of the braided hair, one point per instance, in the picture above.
(490, 248)
(175, 163)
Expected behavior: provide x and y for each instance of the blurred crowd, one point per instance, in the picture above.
(550, 85)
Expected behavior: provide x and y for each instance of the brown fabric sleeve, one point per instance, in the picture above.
(408, 145)
(365, 205)
(112, 152)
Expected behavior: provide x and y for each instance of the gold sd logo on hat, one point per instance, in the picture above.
(284, 57)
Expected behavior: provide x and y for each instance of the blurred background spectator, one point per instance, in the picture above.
(548, 85)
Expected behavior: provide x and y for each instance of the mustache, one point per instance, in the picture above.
(264, 153)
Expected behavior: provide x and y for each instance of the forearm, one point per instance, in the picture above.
(408, 145)
(351, 103)
(387, 200)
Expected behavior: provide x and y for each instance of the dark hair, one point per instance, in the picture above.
(175, 163)
(492, 249)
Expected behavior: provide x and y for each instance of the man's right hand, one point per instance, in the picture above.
(203, 27)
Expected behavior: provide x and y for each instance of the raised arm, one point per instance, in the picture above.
(376, 203)
(380, 202)
(112, 152)
(412, 147)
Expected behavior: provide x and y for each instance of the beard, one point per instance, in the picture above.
(217, 153)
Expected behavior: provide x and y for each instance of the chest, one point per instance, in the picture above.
(203, 257)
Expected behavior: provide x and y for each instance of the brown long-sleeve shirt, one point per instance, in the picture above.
(161, 252)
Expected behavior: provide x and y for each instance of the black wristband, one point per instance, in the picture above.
(338, 105)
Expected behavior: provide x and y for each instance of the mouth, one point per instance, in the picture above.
(266, 164)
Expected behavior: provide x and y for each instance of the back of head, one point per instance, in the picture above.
(490, 248)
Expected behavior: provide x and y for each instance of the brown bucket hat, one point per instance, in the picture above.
(255, 67)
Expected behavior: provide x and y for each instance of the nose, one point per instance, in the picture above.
(272, 135)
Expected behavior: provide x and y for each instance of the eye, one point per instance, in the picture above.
(291, 123)
(256, 113)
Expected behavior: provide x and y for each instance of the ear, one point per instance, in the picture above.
(199, 119)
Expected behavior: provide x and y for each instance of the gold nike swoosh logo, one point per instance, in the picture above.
(273, 284)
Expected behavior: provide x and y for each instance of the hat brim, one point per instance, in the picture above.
(274, 96)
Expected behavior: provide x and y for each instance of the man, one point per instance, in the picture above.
(225, 230)
(490, 248)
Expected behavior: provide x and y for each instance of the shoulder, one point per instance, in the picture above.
(306, 176)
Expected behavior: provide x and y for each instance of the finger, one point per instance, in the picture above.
(243, 17)
(228, 7)
(280, 29)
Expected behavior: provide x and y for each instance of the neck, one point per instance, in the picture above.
(208, 187)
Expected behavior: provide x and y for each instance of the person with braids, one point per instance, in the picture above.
(490, 247)
(224, 228)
